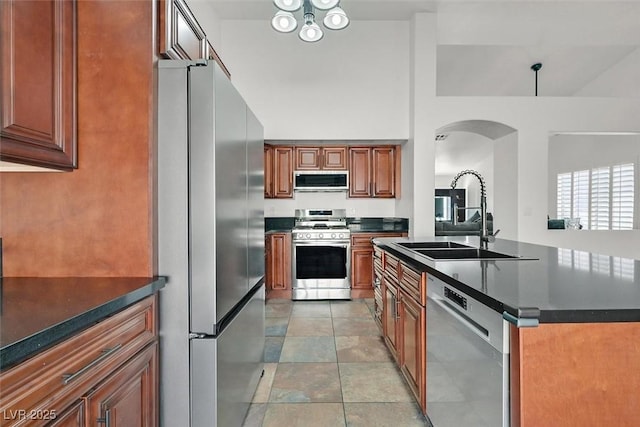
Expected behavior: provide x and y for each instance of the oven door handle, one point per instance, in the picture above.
(322, 243)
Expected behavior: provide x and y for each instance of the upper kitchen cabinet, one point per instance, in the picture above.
(321, 158)
(374, 171)
(181, 36)
(38, 51)
(278, 172)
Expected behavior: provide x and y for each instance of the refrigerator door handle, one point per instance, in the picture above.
(196, 335)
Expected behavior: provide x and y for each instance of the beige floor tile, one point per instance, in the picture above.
(355, 326)
(306, 382)
(278, 309)
(304, 415)
(362, 349)
(350, 309)
(373, 382)
(264, 386)
(311, 309)
(308, 349)
(401, 414)
(310, 327)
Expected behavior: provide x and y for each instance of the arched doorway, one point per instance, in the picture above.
(490, 148)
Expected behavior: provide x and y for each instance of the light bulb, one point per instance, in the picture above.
(283, 22)
(311, 33)
(335, 20)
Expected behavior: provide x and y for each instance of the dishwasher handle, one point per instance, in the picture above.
(474, 326)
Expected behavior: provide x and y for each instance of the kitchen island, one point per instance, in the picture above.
(574, 334)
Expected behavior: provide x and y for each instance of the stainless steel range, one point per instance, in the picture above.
(321, 255)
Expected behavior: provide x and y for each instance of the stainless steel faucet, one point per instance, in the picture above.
(485, 237)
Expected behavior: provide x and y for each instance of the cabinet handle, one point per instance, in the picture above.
(397, 309)
(106, 420)
(67, 378)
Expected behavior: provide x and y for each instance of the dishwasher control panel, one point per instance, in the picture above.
(456, 298)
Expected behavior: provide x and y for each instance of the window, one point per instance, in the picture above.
(603, 198)
(622, 197)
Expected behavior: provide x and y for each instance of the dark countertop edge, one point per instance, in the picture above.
(28, 347)
(545, 316)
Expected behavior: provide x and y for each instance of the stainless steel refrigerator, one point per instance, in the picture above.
(211, 246)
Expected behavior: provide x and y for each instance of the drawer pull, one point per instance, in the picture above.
(67, 378)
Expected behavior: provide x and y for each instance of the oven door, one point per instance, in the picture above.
(321, 270)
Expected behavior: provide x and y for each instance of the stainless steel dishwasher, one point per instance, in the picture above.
(467, 360)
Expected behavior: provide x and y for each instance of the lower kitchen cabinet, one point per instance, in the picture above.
(404, 321)
(105, 375)
(362, 269)
(127, 397)
(390, 317)
(413, 346)
(278, 265)
(71, 417)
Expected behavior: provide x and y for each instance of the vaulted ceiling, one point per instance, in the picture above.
(487, 47)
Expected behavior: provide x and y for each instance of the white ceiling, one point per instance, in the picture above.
(487, 47)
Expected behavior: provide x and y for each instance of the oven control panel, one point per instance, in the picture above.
(325, 235)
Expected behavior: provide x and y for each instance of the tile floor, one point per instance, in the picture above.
(327, 366)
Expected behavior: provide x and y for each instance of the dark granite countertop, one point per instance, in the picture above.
(558, 285)
(355, 224)
(36, 313)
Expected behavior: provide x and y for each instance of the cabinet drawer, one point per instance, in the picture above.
(391, 265)
(53, 380)
(413, 284)
(361, 239)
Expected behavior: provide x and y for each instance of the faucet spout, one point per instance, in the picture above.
(485, 237)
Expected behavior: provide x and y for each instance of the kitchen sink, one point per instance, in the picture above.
(433, 245)
(464, 254)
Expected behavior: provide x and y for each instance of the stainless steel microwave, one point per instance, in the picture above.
(321, 180)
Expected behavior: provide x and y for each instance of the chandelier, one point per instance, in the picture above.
(285, 22)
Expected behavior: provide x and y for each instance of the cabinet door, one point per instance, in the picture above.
(413, 342)
(279, 262)
(308, 158)
(362, 268)
(268, 172)
(334, 158)
(359, 172)
(38, 51)
(181, 36)
(390, 316)
(71, 417)
(383, 160)
(128, 396)
(283, 172)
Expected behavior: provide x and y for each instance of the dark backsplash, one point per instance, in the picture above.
(356, 224)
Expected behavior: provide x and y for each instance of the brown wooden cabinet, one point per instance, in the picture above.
(413, 342)
(390, 316)
(127, 397)
(181, 36)
(38, 51)
(321, 158)
(268, 172)
(108, 370)
(362, 271)
(278, 169)
(374, 171)
(278, 265)
(404, 295)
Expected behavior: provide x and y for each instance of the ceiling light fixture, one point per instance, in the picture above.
(536, 67)
(285, 22)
